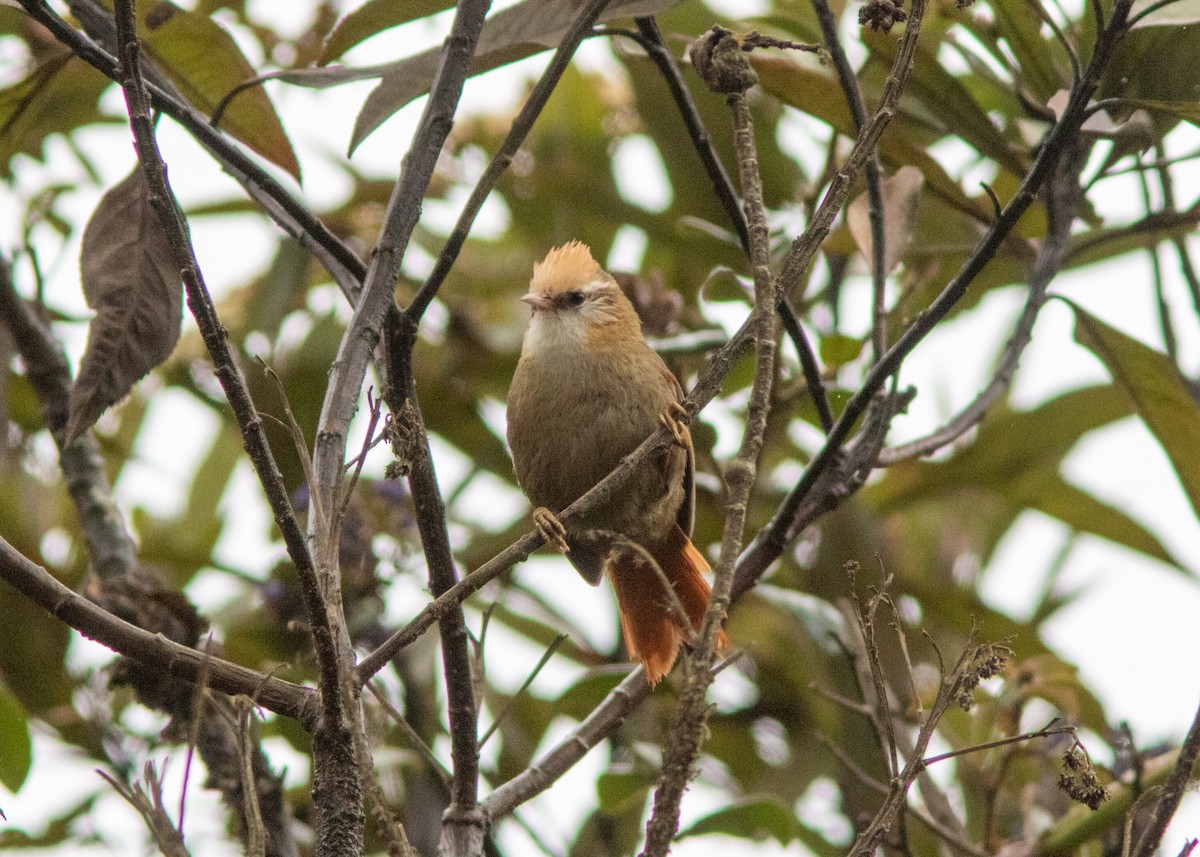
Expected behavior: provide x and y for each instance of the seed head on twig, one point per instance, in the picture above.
(721, 63)
(882, 14)
(1078, 778)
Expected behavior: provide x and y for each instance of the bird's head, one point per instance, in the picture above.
(571, 294)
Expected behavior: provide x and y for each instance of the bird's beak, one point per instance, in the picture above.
(539, 302)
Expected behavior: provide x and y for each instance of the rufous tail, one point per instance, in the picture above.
(649, 620)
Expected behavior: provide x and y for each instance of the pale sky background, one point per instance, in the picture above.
(1131, 630)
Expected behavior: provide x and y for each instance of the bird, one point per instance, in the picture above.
(587, 391)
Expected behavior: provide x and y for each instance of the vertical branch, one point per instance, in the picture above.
(1176, 785)
(725, 68)
(464, 822)
(403, 211)
(345, 386)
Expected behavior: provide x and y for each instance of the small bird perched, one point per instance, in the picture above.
(587, 391)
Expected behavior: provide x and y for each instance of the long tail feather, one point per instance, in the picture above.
(653, 633)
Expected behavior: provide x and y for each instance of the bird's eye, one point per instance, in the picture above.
(573, 298)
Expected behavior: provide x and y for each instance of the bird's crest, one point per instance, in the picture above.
(565, 267)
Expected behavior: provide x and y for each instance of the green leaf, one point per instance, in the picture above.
(951, 102)
(1019, 24)
(59, 95)
(1158, 393)
(1178, 13)
(618, 790)
(837, 349)
(1056, 497)
(16, 751)
(204, 61)
(750, 818)
(1189, 110)
(374, 17)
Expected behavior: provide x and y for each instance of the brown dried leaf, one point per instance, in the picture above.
(901, 193)
(130, 278)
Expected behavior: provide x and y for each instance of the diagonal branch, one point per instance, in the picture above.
(772, 540)
(1063, 200)
(109, 545)
(155, 650)
(201, 305)
(1164, 809)
(858, 114)
(517, 132)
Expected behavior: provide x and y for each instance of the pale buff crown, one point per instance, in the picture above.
(564, 268)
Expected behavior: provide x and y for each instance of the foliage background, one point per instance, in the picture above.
(991, 535)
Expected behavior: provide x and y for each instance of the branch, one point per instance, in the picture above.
(336, 793)
(725, 68)
(598, 725)
(1176, 785)
(153, 650)
(463, 823)
(109, 545)
(651, 40)
(1063, 201)
(858, 114)
(403, 211)
(580, 27)
(163, 830)
(341, 399)
(111, 549)
(772, 540)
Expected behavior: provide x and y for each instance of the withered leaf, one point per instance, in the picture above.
(130, 278)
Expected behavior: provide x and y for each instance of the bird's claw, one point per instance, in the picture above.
(674, 419)
(551, 529)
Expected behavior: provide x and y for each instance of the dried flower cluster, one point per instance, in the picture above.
(986, 662)
(1079, 779)
(882, 14)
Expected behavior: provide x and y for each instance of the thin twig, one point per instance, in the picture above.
(651, 40)
(1064, 200)
(858, 114)
(418, 744)
(517, 132)
(1044, 732)
(545, 659)
(388, 826)
(256, 833)
(166, 834)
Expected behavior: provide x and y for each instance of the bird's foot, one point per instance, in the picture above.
(675, 419)
(551, 529)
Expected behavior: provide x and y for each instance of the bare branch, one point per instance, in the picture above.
(716, 57)
(154, 650)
